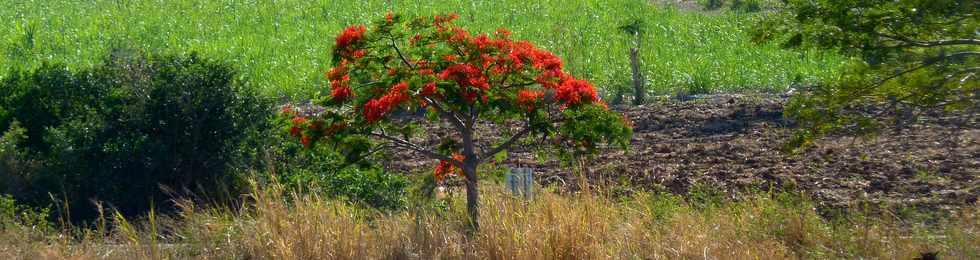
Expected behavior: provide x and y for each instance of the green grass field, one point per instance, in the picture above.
(284, 46)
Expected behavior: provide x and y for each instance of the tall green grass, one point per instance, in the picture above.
(283, 46)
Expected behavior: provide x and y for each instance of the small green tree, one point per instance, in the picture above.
(635, 29)
(402, 73)
(908, 56)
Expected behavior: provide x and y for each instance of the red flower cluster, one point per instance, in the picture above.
(465, 75)
(297, 128)
(527, 98)
(459, 35)
(374, 109)
(389, 17)
(521, 53)
(468, 77)
(447, 168)
(340, 82)
(359, 54)
(350, 36)
(574, 91)
(439, 21)
(298, 125)
(472, 63)
(429, 89)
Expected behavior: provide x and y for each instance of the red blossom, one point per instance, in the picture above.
(359, 54)
(341, 92)
(428, 89)
(334, 128)
(415, 39)
(306, 140)
(339, 83)
(337, 72)
(465, 75)
(390, 17)
(350, 36)
(459, 35)
(487, 60)
(480, 41)
(502, 33)
(299, 120)
(297, 127)
(374, 109)
(444, 170)
(574, 91)
(448, 168)
(551, 78)
(526, 98)
(451, 58)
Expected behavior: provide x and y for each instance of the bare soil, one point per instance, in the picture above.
(734, 143)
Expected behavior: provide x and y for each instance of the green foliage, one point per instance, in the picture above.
(907, 56)
(599, 127)
(13, 214)
(15, 164)
(332, 173)
(121, 130)
(280, 45)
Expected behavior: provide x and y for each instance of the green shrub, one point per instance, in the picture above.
(13, 214)
(121, 130)
(325, 171)
(15, 163)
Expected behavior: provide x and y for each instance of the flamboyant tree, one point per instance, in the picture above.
(405, 74)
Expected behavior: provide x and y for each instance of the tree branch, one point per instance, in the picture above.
(513, 139)
(408, 145)
(400, 55)
(448, 114)
(521, 84)
(927, 63)
(919, 43)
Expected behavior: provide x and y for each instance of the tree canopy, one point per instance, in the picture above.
(908, 56)
(392, 84)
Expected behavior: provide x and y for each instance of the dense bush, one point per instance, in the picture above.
(13, 214)
(327, 172)
(121, 130)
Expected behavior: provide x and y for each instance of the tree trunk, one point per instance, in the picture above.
(639, 91)
(472, 194)
(470, 164)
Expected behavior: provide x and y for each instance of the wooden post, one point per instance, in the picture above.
(520, 182)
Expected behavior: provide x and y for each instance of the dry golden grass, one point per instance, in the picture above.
(278, 224)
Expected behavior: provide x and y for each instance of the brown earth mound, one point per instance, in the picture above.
(733, 143)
